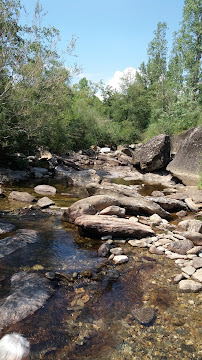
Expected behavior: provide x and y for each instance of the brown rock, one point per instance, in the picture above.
(99, 225)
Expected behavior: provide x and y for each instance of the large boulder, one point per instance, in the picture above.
(88, 206)
(29, 292)
(169, 204)
(186, 164)
(154, 154)
(100, 225)
(134, 206)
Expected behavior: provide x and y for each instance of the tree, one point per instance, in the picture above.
(188, 43)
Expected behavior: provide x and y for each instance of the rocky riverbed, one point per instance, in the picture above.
(103, 263)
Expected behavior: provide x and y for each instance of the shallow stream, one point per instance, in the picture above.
(91, 318)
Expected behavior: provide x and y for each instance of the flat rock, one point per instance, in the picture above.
(29, 292)
(197, 262)
(45, 189)
(190, 286)
(6, 227)
(191, 204)
(189, 270)
(198, 275)
(117, 251)
(18, 241)
(144, 315)
(21, 196)
(99, 225)
(120, 259)
(168, 204)
(45, 202)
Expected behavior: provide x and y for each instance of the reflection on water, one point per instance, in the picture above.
(144, 189)
(91, 318)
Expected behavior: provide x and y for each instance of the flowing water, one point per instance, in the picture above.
(90, 318)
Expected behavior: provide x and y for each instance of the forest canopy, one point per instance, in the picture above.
(39, 106)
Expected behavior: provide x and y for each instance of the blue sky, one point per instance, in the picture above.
(112, 34)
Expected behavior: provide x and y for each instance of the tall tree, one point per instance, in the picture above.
(188, 43)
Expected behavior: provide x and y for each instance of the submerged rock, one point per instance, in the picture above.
(29, 292)
(21, 239)
(6, 227)
(144, 315)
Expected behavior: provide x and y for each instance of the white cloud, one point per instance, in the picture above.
(128, 74)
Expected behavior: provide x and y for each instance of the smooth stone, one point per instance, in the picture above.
(113, 210)
(191, 225)
(194, 250)
(120, 259)
(190, 286)
(106, 237)
(155, 219)
(191, 204)
(174, 256)
(189, 270)
(178, 278)
(45, 202)
(194, 236)
(154, 250)
(45, 189)
(21, 196)
(198, 275)
(116, 251)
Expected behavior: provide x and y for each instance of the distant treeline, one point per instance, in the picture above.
(40, 107)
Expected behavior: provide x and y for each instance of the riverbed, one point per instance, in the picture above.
(90, 318)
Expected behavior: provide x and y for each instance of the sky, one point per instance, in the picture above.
(112, 35)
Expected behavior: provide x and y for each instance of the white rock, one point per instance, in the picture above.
(198, 275)
(194, 250)
(190, 286)
(178, 278)
(116, 251)
(191, 205)
(120, 259)
(174, 256)
(197, 262)
(189, 270)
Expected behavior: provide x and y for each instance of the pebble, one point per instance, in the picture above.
(194, 250)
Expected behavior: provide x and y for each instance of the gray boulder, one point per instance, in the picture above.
(29, 292)
(171, 205)
(191, 225)
(186, 164)
(181, 246)
(154, 154)
(113, 210)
